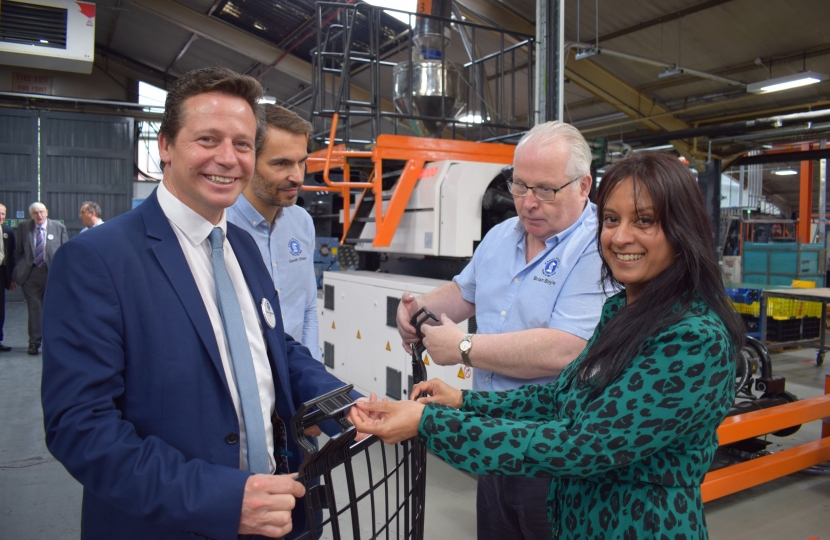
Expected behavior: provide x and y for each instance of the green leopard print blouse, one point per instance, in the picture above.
(625, 465)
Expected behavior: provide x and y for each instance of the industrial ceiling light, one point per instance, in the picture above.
(670, 72)
(795, 80)
(586, 53)
(785, 172)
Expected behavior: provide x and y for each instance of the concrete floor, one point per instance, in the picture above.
(39, 500)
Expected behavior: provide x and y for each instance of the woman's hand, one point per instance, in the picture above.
(439, 392)
(391, 421)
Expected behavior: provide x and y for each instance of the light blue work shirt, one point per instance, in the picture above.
(288, 251)
(558, 289)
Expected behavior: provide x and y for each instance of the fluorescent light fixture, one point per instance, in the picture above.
(785, 172)
(44, 41)
(785, 83)
(670, 73)
(471, 119)
(586, 53)
(268, 99)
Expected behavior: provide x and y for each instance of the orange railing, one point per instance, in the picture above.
(744, 475)
(416, 151)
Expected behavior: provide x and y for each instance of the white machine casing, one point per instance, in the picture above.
(443, 216)
(79, 54)
(359, 345)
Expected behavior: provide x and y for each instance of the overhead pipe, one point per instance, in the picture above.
(728, 128)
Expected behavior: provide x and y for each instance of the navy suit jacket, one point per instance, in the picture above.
(7, 268)
(135, 401)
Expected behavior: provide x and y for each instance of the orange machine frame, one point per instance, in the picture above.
(416, 151)
(744, 475)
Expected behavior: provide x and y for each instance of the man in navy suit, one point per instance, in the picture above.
(143, 382)
(6, 269)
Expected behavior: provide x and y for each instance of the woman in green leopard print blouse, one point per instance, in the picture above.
(628, 430)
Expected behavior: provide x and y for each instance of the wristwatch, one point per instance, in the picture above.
(465, 347)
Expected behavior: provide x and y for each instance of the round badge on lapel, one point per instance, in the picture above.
(268, 313)
(50, 236)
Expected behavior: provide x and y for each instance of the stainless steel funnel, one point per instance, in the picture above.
(436, 91)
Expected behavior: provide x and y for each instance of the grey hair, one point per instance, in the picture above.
(579, 155)
(36, 205)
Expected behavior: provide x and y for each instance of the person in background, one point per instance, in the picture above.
(168, 379)
(283, 231)
(7, 247)
(628, 430)
(532, 286)
(38, 240)
(90, 215)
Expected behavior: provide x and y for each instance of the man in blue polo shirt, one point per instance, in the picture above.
(533, 286)
(283, 232)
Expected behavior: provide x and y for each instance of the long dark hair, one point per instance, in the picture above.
(679, 209)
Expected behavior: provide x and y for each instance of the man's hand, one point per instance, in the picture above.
(439, 392)
(391, 421)
(267, 504)
(407, 308)
(442, 341)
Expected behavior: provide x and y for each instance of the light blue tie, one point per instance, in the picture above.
(243, 363)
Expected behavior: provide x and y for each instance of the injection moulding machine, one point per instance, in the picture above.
(443, 218)
(360, 339)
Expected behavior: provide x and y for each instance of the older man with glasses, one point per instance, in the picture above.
(533, 286)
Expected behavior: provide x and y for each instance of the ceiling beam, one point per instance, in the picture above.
(673, 16)
(110, 62)
(804, 155)
(624, 97)
(226, 35)
(496, 14)
(241, 42)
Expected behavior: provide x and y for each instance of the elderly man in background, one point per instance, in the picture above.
(533, 286)
(37, 241)
(90, 215)
(7, 246)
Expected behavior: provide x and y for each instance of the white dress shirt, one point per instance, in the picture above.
(192, 231)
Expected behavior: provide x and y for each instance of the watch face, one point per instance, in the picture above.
(465, 345)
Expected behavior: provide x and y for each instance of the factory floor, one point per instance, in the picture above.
(39, 500)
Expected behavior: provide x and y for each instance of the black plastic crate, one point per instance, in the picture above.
(783, 330)
(810, 327)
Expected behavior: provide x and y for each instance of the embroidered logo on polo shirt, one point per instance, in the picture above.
(294, 247)
(550, 267)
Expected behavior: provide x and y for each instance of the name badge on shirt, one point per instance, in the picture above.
(5, 235)
(50, 236)
(268, 313)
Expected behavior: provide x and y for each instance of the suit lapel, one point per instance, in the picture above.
(248, 264)
(169, 254)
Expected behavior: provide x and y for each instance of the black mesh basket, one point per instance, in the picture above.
(361, 490)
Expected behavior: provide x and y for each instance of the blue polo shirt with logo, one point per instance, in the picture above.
(558, 289)
(287, 249)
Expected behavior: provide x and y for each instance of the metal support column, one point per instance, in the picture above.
(822, 198)
(710, 184)
(805, 199)
(550, 59)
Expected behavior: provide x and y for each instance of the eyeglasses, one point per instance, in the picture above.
(547, 194)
